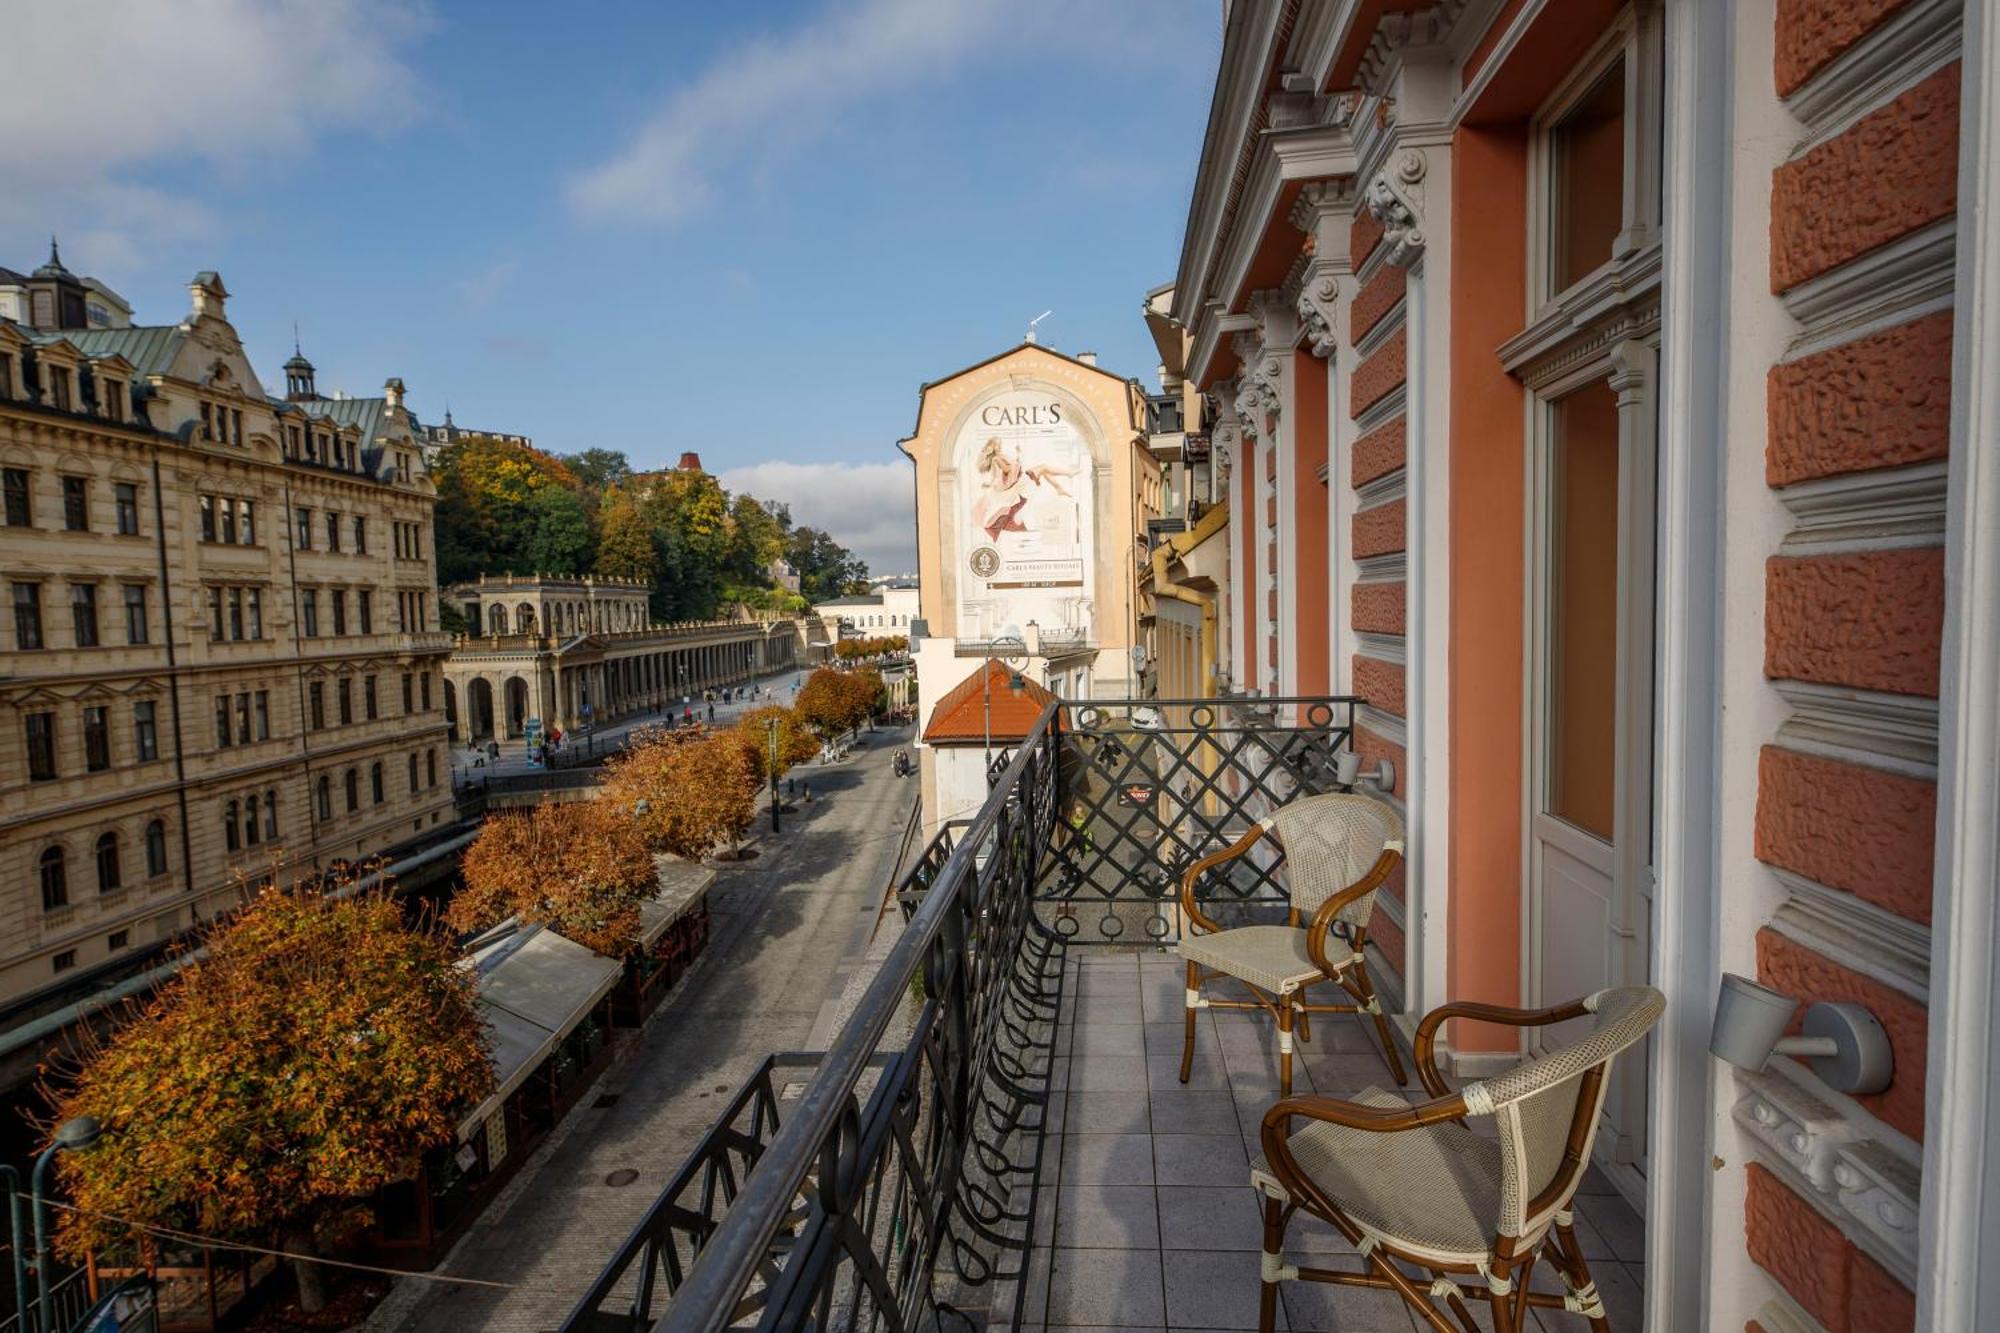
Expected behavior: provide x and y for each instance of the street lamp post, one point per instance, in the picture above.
(1006, 641)
(78, 1135)
(771, 726)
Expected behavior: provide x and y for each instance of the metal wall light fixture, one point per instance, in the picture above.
(1347, 772)
(1843, 1043)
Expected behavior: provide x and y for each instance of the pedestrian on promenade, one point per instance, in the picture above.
(809, 793)
(711, 712)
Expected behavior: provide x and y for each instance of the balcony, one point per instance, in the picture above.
(999, 1137)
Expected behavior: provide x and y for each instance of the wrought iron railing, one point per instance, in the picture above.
(899, 1190)
(655, 1258)
(1150, 786)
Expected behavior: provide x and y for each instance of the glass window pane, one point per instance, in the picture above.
(1589, 163)
(1583, 608)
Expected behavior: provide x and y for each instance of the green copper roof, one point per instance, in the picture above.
(150, 348)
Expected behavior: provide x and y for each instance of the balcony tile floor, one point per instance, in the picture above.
(1146, 1218)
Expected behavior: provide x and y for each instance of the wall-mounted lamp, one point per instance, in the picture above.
(1347, 772)
(1844, 1043)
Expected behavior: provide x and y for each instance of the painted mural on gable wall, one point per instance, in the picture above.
(1025, 479)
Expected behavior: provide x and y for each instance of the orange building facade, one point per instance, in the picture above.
(1602, 392)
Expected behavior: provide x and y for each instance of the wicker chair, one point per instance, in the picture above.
(1413, 1185)
(1339, 848)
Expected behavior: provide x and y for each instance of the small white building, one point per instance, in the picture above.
(887, 609)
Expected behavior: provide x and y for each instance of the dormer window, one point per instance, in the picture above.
(6, 377)
(207, 425)
(236, 425)
(111, 398)
(59, 388)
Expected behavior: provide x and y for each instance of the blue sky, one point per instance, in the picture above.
(749, 230)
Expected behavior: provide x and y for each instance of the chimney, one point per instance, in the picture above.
(1088, 358)
(209, 294)
(392, 390)
(690, 462)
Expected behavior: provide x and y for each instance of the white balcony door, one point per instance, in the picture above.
(1590, 797)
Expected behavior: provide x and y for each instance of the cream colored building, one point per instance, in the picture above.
(1035, 488)
(575, 653)
(884, 611)
(219, 654)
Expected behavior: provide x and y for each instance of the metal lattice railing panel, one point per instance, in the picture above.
(1150, 787)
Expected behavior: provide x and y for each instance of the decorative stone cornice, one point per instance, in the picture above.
(1398, 32)
(1396, 198)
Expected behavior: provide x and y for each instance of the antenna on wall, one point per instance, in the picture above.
(1036, 320)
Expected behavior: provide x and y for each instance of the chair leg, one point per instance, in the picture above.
(1305, 1019)
(1187, 1047)
(1568, 1259)
(1285, 1011)
(1274, 1258)
(1366, 986)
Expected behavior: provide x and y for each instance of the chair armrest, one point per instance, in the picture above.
(1207, 863)
(1275, 1132)
(1331, 909)
(1423, 1047)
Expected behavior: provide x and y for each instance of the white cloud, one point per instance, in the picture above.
(765, 99)
(870, 508)
(121, 114)
(479, 290)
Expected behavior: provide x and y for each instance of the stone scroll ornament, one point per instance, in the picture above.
(1396, 199)
(1318, 300)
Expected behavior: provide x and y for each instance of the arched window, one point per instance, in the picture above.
(496, 620)
(430, 768)
(108, 876)
(375, 781)
(230, 835)
(55, 880)
(250, 831)
(413, 770)
(353, 790)
(325, 797)
(156, 848)
(271, 816)
(524, 618)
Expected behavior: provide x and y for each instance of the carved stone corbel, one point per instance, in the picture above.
(1318, 300)
(1396, 198)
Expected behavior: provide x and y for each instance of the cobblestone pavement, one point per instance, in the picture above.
(791, 928)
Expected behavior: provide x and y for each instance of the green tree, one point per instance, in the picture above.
(599, 469)
(625, 547)
(484, 519)
(561, 541)
(825, 567)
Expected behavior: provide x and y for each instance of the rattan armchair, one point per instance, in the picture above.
(1339, 848)
(1414, 1187)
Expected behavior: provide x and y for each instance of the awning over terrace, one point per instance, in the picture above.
(535, 987)
(683, 884)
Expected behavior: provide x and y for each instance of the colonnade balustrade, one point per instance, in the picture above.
(501, 685)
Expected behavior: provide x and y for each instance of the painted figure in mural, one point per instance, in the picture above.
(1005, 488)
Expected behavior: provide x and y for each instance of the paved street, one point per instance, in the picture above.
(513, 759)
(789, 927)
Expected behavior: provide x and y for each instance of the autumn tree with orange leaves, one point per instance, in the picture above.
(796, 742)
(688, 791)
(581, 868)
(832, 702)
(266, 1091)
